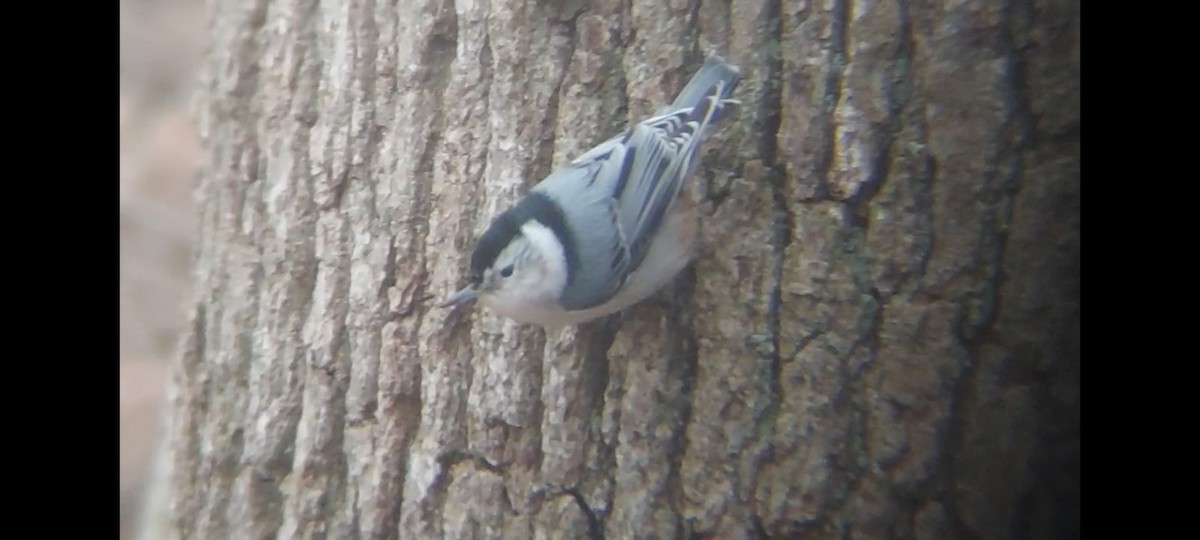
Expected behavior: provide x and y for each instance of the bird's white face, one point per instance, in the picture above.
(527, 278)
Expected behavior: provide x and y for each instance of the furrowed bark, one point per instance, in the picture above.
(880, 338)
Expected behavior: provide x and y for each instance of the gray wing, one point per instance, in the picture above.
(661, 151)
(598, 255)
(618, 192)
(659, 157)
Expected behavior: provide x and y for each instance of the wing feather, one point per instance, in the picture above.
(619, 191)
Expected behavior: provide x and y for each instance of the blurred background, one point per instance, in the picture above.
(161, 41)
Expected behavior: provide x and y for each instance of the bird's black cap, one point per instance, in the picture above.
(506, 226)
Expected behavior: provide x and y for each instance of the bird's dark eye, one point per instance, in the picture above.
(506, 271)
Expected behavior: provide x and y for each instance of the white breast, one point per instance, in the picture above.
(669, 253)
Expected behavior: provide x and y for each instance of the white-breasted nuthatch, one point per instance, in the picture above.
(609, 229)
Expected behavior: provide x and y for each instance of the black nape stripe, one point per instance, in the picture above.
(507, 226)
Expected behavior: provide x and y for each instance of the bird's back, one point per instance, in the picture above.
(616, 196)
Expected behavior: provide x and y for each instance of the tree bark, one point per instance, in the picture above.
(879, 340)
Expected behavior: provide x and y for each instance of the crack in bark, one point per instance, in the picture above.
(833, 88)
(683, 366)
(436, 60)
(544, 160)
(924, 177)
(435, 498)
(770, 120)
(596, 369)
(898, 77)
(389, 271)
(595, 527)
(455, 456)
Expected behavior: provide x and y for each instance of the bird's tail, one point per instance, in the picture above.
(715, 76)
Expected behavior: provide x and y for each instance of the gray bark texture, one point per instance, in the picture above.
(880, 338)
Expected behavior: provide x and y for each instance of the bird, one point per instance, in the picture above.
(610, 228)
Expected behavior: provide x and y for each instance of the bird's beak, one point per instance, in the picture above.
(464, 295)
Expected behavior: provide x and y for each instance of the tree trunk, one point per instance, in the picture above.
(879, 340)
